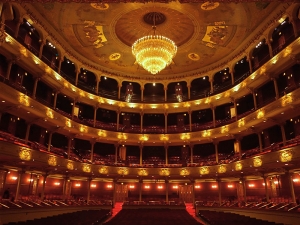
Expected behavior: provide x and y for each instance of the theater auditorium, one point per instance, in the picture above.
(140, 112)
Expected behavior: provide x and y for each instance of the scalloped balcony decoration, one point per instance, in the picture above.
(70, 165)
(204, 170)
(86, 168)
(257, 162)
(52, 160)
(206, 133)
(260, 114)
(287, 99)
(24, 100)
(224, 129)
(143, 172)
(123, 171)
(184, 172)
(185, 136)
(83, 129)
(49, 113)
(25, 154)
(164, 172)
(241, 122)
(103, 170)
(238, 166)
(285, 155)
(222, 169)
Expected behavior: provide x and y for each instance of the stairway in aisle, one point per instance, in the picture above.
(115, 210)
(191, 210)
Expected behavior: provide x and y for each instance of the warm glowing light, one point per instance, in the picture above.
(109, 186)
(197, 186)
(175, 186)
(251, 185)
(214, 186)
(56, 183)
(275, 182)
(230, 186)
(147, 187)
(93, 185)
(154, 52)
(77, 185)
(296, 180)
(160, 187)
(14, 178)
(131, 186)
(30, 180)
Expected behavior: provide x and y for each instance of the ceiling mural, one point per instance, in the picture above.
(205, 33)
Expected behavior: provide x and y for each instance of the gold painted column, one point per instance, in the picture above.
(140, 189)
(238, 148)
(166, 154)
(254, 99)
(232, 77)
(214, 115)
(92, 150)
(266, 187)
(9, 65)
(276, 87)
(142, 117)
(260, 141)
(189, 91)
(76, 76)
(192, 153)
(116, 152)
(219, 192)
(49, 141)
(244, 189)
(20, 176)
(69, 146)
(165, 89)
(216, 150)
(95, 116)
(166, 122)
(43, 43)
(118, 119)
(55, 99)
(2, 185)
(283, 134)
(142, 93)
(89, 190)
(270, 48)
(190, 119)
(193, 192)
(291, 184)
(73, 107)
(97, 85)
(211, 81)
(16, 33)
(119, 91)
(114, 193)
(27, 132)
(43, 187)
(167, 191)
(141, 155)
(35, 87)
(59, 64)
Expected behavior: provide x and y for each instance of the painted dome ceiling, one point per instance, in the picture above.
(207, 34)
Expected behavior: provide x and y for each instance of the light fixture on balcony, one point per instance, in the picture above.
(154, 52)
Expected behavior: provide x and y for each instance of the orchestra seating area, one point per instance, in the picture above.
(222, 218)
(85, 217)
(152, 216)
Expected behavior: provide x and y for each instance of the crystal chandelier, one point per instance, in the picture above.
(154, 52)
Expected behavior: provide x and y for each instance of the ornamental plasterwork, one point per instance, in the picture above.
(143, 172)
(184, 172)
(204, 170)
(285, 155)
(25, 154)
(103, 170)
(123, 171)
(222, 169)
(52, 161)
(238, 166)
(164, 172)
(70, 165)
(257, 162)
(86, 168)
